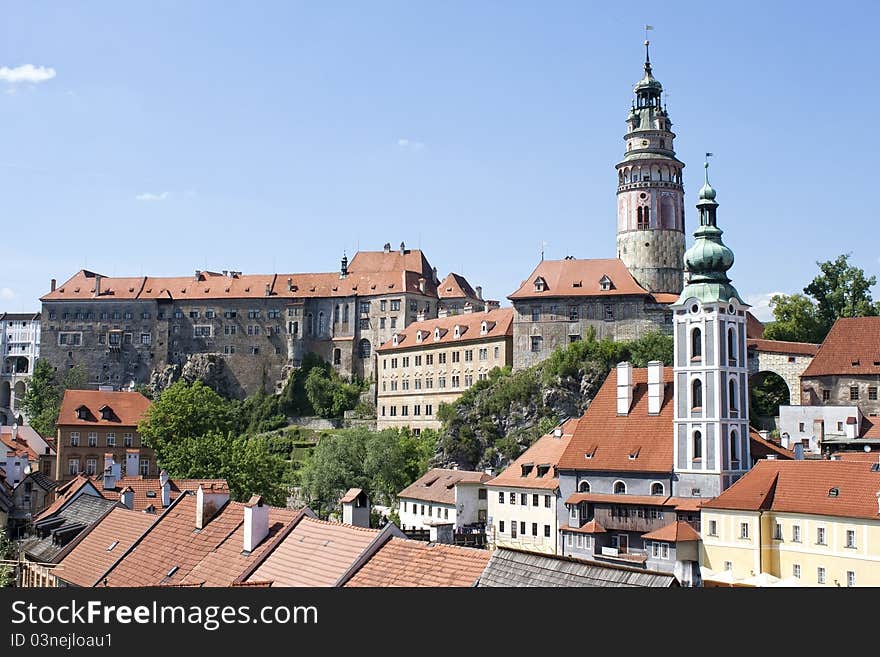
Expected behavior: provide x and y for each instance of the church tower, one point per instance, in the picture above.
(711, 425)
(650, 196)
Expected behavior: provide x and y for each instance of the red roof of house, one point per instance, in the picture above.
(19, 447)
(674, 532)
(127, 408)
(592, 527)
(66, 493)
(636, 442)
(401, 562)
(438, 485)
(760, 448)
(98, 548)
(455, 286)
(147, 491)
(781, 347)
(545, 451)
(351, 495)
(579, 278)
(499, 322)
(851, 347)
(754, 327)
(830, 488)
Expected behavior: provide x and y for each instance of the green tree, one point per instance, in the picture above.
(7, 552)
(42, 399)
(328, 394)
(652, 346)
(185, 410)
(796, 320)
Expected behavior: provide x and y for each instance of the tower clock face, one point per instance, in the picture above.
(644, 142)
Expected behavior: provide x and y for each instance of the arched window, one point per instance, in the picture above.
(345, 314)
(337, 356)
(731, 345)
(698, 445)
(584, 487)
(364, 348)
(311, 323)
(647, 216)
(731, 395)
(696, 344)
(336, 314)
(657, 488)
(696, 394)
(734, 446)
(321, 325)
(619, 488)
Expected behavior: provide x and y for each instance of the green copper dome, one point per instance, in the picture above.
(707, 192)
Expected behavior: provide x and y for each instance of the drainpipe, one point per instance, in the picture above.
(760, 544)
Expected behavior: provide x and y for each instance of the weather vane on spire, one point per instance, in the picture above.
(706, 165)
(647, 43)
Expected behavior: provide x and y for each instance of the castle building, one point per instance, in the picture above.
(19, 351)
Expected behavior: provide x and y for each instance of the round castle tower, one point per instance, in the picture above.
(650, 195)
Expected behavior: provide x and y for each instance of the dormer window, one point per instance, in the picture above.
(436, 334)
(456, 332)
(106, 413)
(543, 469)
(540, 284)
(394, 339)
(418, 336)
(527, 469)
(605, 284)
(82, 413)
(483, 328)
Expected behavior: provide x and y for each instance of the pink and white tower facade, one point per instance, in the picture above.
(650, 195)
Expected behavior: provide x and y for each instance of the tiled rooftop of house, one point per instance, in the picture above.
(536, 467)
(852, 347)
(498, 322)
(55, 531)
(102, 408)
(438, 485)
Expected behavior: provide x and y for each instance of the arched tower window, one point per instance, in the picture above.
(657, 488)
(647, 216)
(345, 314)
(731, 395)
(731, 345)
(584, 487)
(697, 394)
(698, 445)
(336, 314)
(619, 488)
(311, 323)
(696, 344)
(337, 356)
(321, 325)
(734, 447)
(364, 348)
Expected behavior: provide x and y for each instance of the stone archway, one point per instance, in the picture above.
(788, 360)
(5, 394)
(767, 392)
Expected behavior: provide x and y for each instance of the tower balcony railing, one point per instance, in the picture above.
(644, 184)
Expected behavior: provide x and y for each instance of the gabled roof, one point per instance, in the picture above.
(512, 568)
(544, 452)
(104, 543)
(455, 286)
(147, 491)
(19, 447)
(61, 527)
(64, 494)
(579, 278)
(128, 408)
(674, 532)
(351, 495)
(438, 485)
(402, 562)
(499, 323)
(781, 347)
(851, 347)
(611, 439)
(760, 448)
(806, 487)
(412, 260)
(19, 317)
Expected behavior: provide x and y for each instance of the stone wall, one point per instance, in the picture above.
(654, 258)
(838, 388)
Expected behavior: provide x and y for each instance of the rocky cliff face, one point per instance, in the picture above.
(210, 369)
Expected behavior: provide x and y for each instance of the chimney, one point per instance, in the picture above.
(420, 317)
(198, 275)
(442, 312)
(226, 272)
(655, 387)
(126, 496)
(402, 248)
(132, 462)
(834, 457)
(268, 289)
(256, 522)
(356, 508)
(52, 285)
(624, 387)
(771, 457)
(441, 533)
(112, 471)
(290, 284)
(468, 307)
(387, 247)
(557, 432)
(165, 486)
(98, 278)
(851, 427)
(434, 274)
(209, 502)
(422, 282)
(479, 291)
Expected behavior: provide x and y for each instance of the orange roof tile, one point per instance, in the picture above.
(592, 527)
(579, 278)
(760, 448)
(611, 438)
(412, 260)
(314, 553)
(648, 500)
(674, 532)
(851, 347)
(853, 455)
(805, 487)
(401, 562)
(438, 485)
(127, 408)
(754, 327)
(455, 286)
(98, 548)
(545, 451)
(19, 447)
(147, 490)
(66, 493)
(781, 347)
(351, 495)
(499, 322)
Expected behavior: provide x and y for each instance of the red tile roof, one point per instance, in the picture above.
(127, 408)
(853, 455)
(66, 493)
(147, 490)
(455, 286)
(592, 527)
(438, 485)
(351, 495)
(19, 447)
(754, 328)
(412, 260)
(805, 487)
(851, 347)
(98, 548)
(401, 562)
(611, 438)
(499, 322)
(760, 448)
(314, 553)
(545, 451)
(781, 347)
(647, 500)
(579, 278)
(674, 532)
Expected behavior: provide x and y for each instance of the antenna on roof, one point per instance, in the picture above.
(543, 246)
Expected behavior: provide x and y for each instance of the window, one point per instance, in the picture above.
(522, 528)
(796, 570)
(229, 329)
(74, 438)
(536, 343)
(820, 536)
(731, 396)
(535, 500)
(573, 313)
(657, 488)
(796, 533)
(696, 344)
(111, 440)
(872, 393)
(853, 393)
(429, 409)
(534, 529)
(468, 355)
(127, 440)
(609, 312)
(93, 439)
(501, 497)
(512, 498)
(546, 501)
(546, 531)
(713, 528)
(850, 538)
(820, 575)
(826, 395)
(364, 348)
(579, 541)
(418, 360)
(91, 467)
(850, 578)
(395, 305)
(619, 488)
(500, 526)
(228, 349)
(523, 499)
(429, 359)
(696, 395)
(441, 358)
(146, 338)
(255, 350)
(456, 381)
(206, 331)
(743, 530)
(660, 550)
(731, 345)
(698, 446)
(73, 466)
(497, 352)
(456, 356)
(569, 540)
(777, 535)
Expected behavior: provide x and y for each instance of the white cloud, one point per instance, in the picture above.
(760, 305)
(149, 196)
(410, 143)
(7, 294)
(26, 73)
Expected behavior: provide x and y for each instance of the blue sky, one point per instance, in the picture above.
(265, 136)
